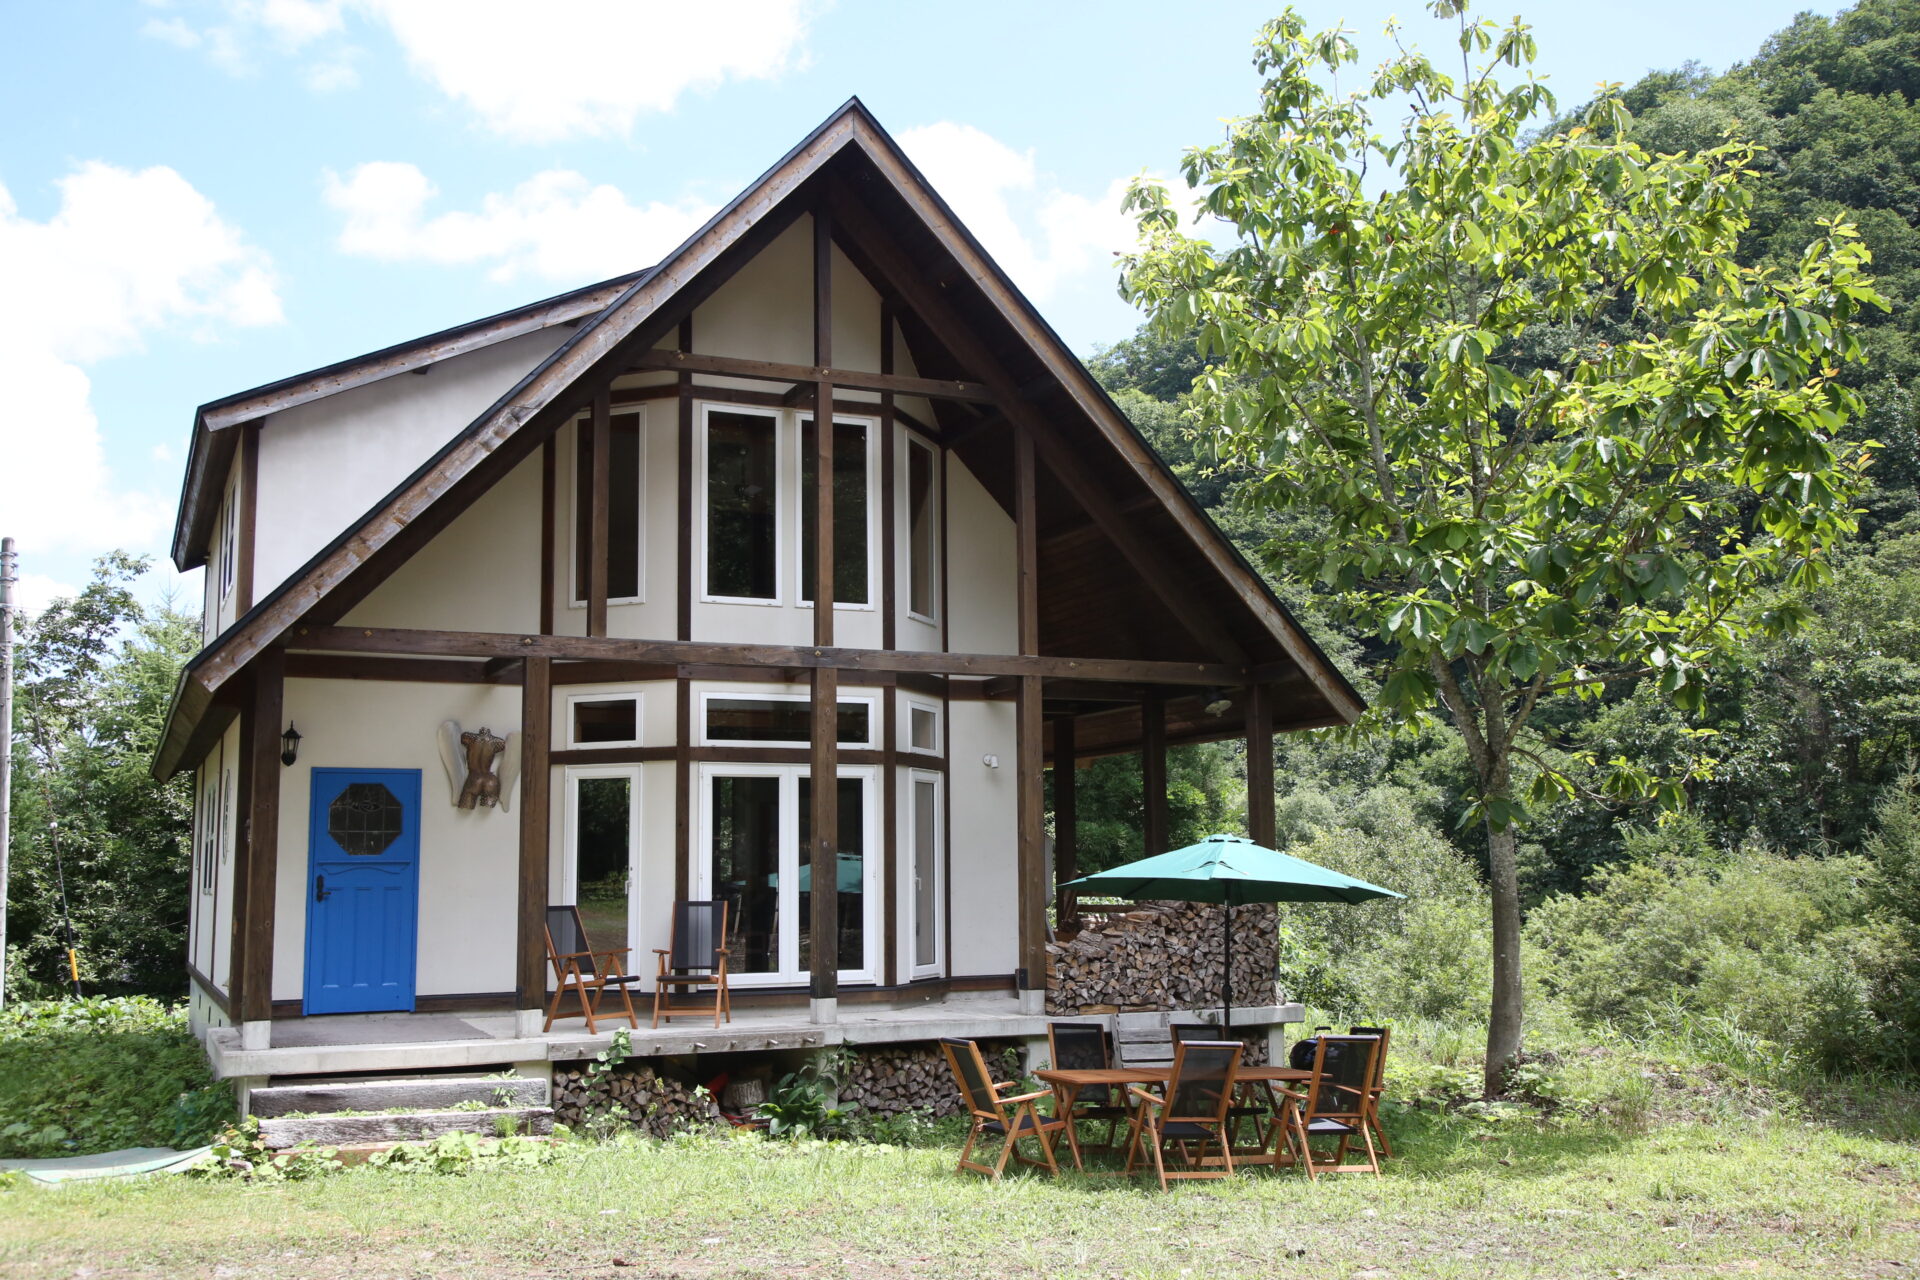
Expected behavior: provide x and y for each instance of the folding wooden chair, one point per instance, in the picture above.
(994, 1116)
(695, 957)
(1379, 1085)
(1337, 1102)
(1087, 1046)
(578, 968)
(1192, 1111)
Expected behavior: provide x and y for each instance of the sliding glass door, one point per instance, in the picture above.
(753, 852)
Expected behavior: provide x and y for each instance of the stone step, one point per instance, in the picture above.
(342, 1130)
(414, 1093)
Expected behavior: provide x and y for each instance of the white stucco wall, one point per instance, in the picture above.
(469, 860)
(325, 463)
(982, 593)
(983, 857)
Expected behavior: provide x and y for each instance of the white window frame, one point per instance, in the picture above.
(229, 553)
(939, 966)
(701, 884)
(908, 704)
(571, 469)
(571, 776)
(707, 695)
(639, 701)
(703, 479)
(803, 589)
(937, 498)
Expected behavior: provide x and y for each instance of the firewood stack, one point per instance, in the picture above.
(889, 1079)
(1163, 956)
(654, 1103)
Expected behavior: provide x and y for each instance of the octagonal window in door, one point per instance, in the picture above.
(364, 819)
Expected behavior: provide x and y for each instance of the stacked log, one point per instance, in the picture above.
(889, 1079)
(635, 1093)
(1163, 956)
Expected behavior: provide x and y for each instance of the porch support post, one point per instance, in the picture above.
(1260, 818)
(1153, 772)
(252, 963)
(1066, 819)
(1029, 781)
(823, 824)
(536, 712)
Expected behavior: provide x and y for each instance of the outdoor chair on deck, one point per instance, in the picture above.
(1086, 1046)
(994, 1116)
(1379, 1085)
(578, 968)
(1337, 1102)
(695, 957)
(1191, 1114)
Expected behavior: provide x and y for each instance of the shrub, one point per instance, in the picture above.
(81, 1076)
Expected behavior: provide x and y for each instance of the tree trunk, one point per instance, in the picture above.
(1503, 1021)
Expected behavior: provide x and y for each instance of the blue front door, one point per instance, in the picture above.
(363, 889)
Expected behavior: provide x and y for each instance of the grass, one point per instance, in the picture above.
(1709, 1175)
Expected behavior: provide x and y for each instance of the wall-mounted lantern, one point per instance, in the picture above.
(289, 745)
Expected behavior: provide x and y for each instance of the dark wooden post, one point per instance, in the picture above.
(683, 627)
(1066, 818)
(1260, 819)
(252, 961)
(1153, 772)
(536, 717)
(890, 728)
(602, 464)
(1029, 802)
(824, 760)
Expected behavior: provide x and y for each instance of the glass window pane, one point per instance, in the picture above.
(612, 720)
(850, 873)
(782, 720)
(746, 869)
(920, 529)
(849, 512)
(623, 507)
(922, 732)
(926, 871)
(604, 859)
(741, 525)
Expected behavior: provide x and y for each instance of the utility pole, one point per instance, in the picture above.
(8, 575)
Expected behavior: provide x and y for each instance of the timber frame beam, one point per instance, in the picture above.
(807, 377)
(493, 644)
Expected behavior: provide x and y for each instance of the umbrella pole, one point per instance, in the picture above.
(1226, 972)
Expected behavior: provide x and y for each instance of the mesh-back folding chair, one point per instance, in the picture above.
(1336, 1102)
(589, 974)
(996, 1117)
(1379, 1084)
(1087, 1046)
(1249, 1106)
(1190, 1115)
(695, 957)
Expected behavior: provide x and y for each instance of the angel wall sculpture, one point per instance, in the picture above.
(470, 758)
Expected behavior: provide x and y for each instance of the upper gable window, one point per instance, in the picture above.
(229, 540)
(624, 483)
(742, 506)
(923, 516)
(852, 467)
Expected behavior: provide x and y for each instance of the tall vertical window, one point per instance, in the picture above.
(209, 831)
(623, 549)
(922, 528)
(602, 836)
(928, 872)
(229, 539)
(850, 463)
(742, 506)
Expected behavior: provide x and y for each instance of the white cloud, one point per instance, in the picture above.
(531, 72)
(35, 591)
(1038, 232)
(126, 254)
(555, 226)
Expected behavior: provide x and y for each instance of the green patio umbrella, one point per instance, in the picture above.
(1233, 871)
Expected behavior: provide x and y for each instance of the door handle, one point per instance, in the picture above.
(320, 889)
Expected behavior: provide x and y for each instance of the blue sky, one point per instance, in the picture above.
(198, 196)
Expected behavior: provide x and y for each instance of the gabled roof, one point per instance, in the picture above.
(1179, 591)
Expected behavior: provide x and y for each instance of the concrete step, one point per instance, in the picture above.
(413, 1093)
(342, 1130)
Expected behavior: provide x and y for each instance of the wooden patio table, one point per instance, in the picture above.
(1066, 1086)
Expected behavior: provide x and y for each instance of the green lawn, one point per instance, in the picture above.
(1752, 1195)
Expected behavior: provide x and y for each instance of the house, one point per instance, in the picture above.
(598, 528)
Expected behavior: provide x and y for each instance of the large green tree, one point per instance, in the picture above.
(1559, 435)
